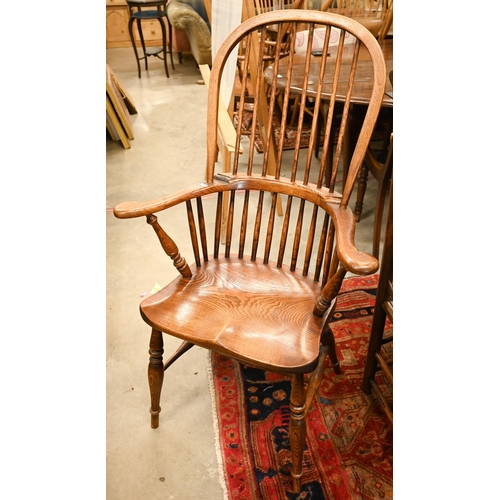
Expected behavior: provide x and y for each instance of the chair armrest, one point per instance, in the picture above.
(352, 259)
(132, 209)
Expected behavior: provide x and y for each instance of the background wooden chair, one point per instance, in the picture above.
(263, 6)
(375, 15)
(381, 170)
(375, 360)
(265, 295)
(382, 173)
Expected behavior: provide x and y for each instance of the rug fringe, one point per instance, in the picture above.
(218, 451)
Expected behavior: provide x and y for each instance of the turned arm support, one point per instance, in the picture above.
(134, 209)
(170, 247)
(351, 259)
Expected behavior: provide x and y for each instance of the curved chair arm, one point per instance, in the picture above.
(183, 16)
(352, 259)
(132, 209)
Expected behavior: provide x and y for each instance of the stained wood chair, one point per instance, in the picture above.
(265, 295)
(263, 6)
(375, 15)
(381, 171)
(375, 360)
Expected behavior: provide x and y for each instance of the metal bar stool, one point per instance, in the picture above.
(137, 14)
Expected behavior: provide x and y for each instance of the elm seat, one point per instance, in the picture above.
(276, 303)
(137, 14)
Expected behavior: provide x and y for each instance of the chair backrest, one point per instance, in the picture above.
(331, 72)
(277, 170)
(375, 15)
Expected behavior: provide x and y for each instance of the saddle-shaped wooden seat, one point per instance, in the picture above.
(244, 309)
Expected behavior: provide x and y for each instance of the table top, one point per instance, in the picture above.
(364, 74)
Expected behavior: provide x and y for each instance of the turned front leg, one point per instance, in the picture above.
(297, 429)
(155, 375)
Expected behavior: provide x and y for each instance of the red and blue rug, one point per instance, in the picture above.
(349, 438)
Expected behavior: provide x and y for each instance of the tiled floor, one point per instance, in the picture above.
(177, 460)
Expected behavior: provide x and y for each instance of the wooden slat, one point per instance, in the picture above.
(118, 104)
(259, 87)
(244, 225)
(384, 367)
(117, 126)
(226, 128)
(202, 227)
(192, 232)
(126, 96)
(208, 8)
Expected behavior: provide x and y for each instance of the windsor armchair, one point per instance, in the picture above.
(264, 293)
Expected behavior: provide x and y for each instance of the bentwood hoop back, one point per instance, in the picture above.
(256, 285)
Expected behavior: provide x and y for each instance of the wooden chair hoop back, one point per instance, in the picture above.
(338, 66)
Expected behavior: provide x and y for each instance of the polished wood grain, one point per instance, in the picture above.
(297, 427)
(268, 310)
(261, 287)
(155, 375)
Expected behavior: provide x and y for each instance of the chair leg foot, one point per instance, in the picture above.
(335, 363)
(297, 429)
(328, 339)
(155, 375)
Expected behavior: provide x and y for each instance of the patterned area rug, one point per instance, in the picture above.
(349, 438)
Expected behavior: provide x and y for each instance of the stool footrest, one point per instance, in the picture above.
(153, 51)
(148, 14)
